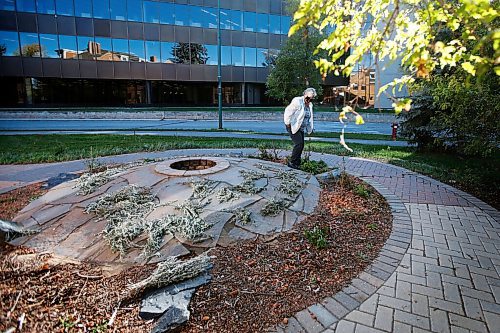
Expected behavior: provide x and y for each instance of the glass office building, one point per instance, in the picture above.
(138, 52)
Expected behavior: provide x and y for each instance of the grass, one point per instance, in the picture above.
(478, 176)
(317, 108)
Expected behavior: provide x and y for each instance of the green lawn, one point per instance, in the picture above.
(478, 176)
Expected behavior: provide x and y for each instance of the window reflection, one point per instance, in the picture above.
(9, 43)
(249, 20)
(167, 13)
(102, 49)
(271, 57)
(196, 17)
(118, 10)
(262, 55)
(85, 45)
(151, 12)
(26, 6)
(83, 8)
(7, 5)
(211, 54)
(167, 52)
(137, 50)
(153, 51)
(274, 24)
(285, 24)
(65, 7)
(250, 57)
(262, 23)
(120, 49)
(236, 20)
(225, 19)
(134, 10)
(101, 9)
(45, 6)
(29, 44)
(67, 47)
(49, 46)
(182, 15)
(238, 56)
(225, 56)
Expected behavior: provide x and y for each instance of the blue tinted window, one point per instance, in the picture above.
(151, 12)
(137, 50)
(271, 57)
(134, 10)
(167, 53)
(225, 19)
(274, 24)
(49, 46)
(167, 13)
(196, 16)
(262, 23)
(83, 8)
(209, 17)
(65, 7)
(262, 55)
(120, 49)
(250, 57)
(46, 6)
(285, 24)
(236, 20)
(9, 43)
(104, 49)
(83, 47)
(238, 56)
(101, 9)
(67, 47)
(7, 5)
(182, 15)
(29, 44)
(26, 6)
(249, 19)
(153, 51)
(118, 9)
(211, 54)
(225, 56)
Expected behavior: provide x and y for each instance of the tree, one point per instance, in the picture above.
(186, 53)
(30, 50)
(3, 49)
(452, 115)
(293, 69)
(406, 31)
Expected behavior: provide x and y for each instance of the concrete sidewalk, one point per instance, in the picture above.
(439, 271)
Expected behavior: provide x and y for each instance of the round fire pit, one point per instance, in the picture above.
(192, 166)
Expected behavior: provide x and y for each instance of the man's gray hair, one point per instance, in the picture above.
(310, 90)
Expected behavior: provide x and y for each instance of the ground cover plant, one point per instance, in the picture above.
(477, 176)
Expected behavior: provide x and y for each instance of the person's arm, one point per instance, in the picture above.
(289, 111)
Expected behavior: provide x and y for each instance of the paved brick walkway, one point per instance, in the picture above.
(438, 272)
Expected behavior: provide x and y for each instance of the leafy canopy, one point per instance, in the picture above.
(407, 31)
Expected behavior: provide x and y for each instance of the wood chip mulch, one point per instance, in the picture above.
(255, 285)
(12, 202)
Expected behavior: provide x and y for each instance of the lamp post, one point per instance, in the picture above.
(219, 76)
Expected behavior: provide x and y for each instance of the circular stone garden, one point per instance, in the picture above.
(225, 243)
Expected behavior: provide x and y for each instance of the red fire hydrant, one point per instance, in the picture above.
(394, 131)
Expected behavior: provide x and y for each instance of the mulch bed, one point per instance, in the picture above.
(254, 286)
(13, 201)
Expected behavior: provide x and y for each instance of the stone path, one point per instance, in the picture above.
(438, 272)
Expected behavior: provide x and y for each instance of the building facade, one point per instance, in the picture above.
(138, 52)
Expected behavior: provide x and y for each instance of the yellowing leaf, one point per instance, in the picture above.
(359, 120)
(469, 68)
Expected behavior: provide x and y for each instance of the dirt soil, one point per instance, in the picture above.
(13, 201)
(254, 286)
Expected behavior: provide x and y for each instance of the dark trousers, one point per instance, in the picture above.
(298, 147)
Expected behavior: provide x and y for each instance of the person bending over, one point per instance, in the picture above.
(298, 119)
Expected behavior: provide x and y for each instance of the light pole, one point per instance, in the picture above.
(219, 75)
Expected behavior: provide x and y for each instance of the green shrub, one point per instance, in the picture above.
(313, 167)
(317, 237)
(362, 191)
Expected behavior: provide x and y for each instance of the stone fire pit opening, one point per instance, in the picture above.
(190, 165)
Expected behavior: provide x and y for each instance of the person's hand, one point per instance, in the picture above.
(288, 127)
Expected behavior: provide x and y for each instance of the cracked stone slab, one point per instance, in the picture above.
(262, 225)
